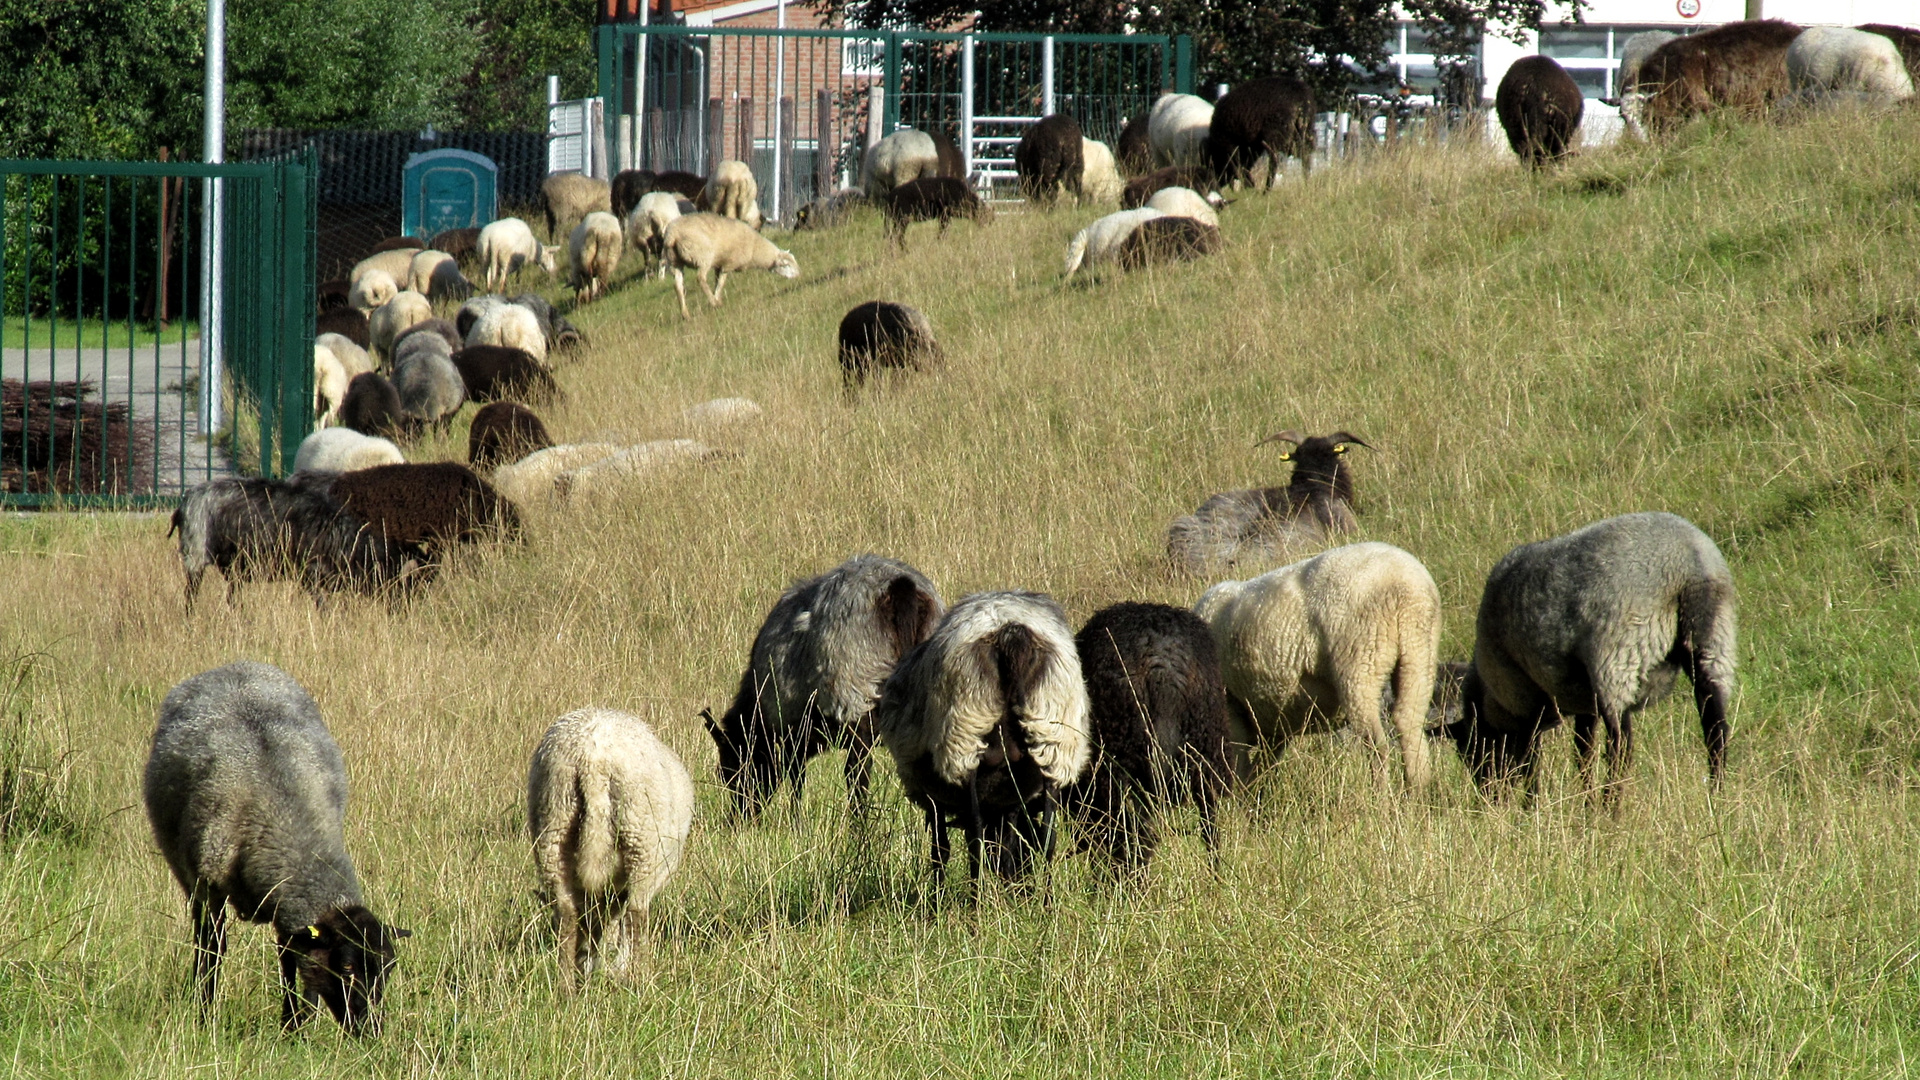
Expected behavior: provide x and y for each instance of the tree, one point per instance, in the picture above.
(100, 78)
(345, 63)
(520, 43)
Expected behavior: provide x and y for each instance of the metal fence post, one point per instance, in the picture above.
(891, 99)
(1183, 64)
(966, 104)
(605, 40)
(1046, 76)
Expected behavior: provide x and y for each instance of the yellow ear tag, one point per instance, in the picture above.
(313, 930)
(1286, 455)
(1341, 449)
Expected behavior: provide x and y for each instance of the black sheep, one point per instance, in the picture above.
(628, 186)
(372, 406)
(938, 198)
(1539, 106)
(1049, 158)
(1168, 239)
(432, 505)
(395, 243)
(1140, 189)
(1270, 117)
(1159, 726)
(1235, 526)
(1740, 65)
(502, 432)
(459, 243)
(347, 322)
(494, 372)
(1131, 153)
(880, 334)
(952, 165)
(332, 295)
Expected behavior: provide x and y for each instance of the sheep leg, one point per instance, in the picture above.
(721, 290)
(193, 589)
(1583, 732)
(680, 290)
(209, 942)
(1710, 697)
(633, 936)
(859, 765)
(976, 836)
(1360, 700)
(296, 1007)
(566, 914)
(1619, 724)
(937, 829)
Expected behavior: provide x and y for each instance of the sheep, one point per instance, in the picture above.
(399, 243)
(372, 406)
(404, 310)
(341, 449)
(411, 346)
(1131, 151)
(1633, 56)
(732, 192)
(471, 311)
(613, 471)
(347, 322)
(721, 411)
(1322, 639)
(647, 225)
(431, 506)
(1740, 66)
(534, 477)
(829, 211)
(938, 198)
(1596, 623)
(511, 326)
(507, 245)
(1237, 527)
(370, 293)
(1271, 117)
(558, 331)
(1099, 178)
(504, 431)
(1140, 189)
(1539, 106)
(272, 530)
(952, 164)
(331, 295)
(1167, 239)
(493, 372)
(609, 807)
(436, 274)
(709, 242)
(396, 263)
(631, 185)
(1100, 241)
(986, 720)
(431, 389)
(1905, 39)
(880, 334)
(593, 254)
(1159, 727)
(1049, 159)
(814, 674)
(1185, 202)
(569, 196)
(1177, 129)
(246, 792)
(439, 328)
(462, 244)
(902, 157)
(336, 360)
(1834, 63)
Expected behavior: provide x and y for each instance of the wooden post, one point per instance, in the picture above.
(655, 139)
(876, 121)
(785, 179)
(826, 147)
(744, 152)
(716, 131)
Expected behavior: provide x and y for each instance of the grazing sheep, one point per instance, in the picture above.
(900, 158)
(444, 282)
(1159, 727)
(512, 326)
(1596, 623)
(1905, 39)
(558, 331)
(1177, 129)
(411, 346)
(331, 295)
(1099, 178)
(347, 322)
(647, 225)
(628, 186)
(1050, 159)
(1539, 106)
(1833, 63)
(1140, 189)
(609, 807)
(430, 387)
(830, 211)
(569, 196)
(462, 244)
(507, 245)
(709, 243)
(420, 270)
(504, 431)
(1633, 56)
(1321, 640)
(340, 449)
(371, 293)
(372, 406)
(814, 674)
(880, 334)
(986, 720)
(336, 360)
(431, 505)
(1168, 239)
(1187, 203)
(397, 314)
(283, 530)
(399, 243)
(396, 263)
(732, 192)
(494, 372)
(938, 198)
(611, 473)
(1271, 117)
(534, 478)
(1237, 527)
(1133, 154)
(1100, 242)
(439, 328)
(593, 254)
(246, 792)
(1740, 66)
(471, 311)
(721, 411)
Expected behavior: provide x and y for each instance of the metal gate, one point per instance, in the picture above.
(105, 397)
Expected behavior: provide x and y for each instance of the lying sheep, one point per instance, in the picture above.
(1049, 159)
(830, 211)
(1237, 527)
(614, 471)
(593, 254)
(1271, 118)
(937, 198)
(1320, 641)
(347, 322)
(647, 225)
(431, 506)
(569, 196)
(510, 326)
(1596, 624)
(1539, 106)
(1168, 239)
(372, 406)
(814, 674)
(732, 192)
(430, 388)
(609, 807)
(506, 246)
(1143, 188)
(1159, 728)
(397, 314)
(1099, 178)
(1100, 242)
(1187, 203)
(879, 335)
(372, 292)
(986, 721)
(246, 792)
(533, 478)
(342, 449)
(722, 411)
(496, 372)
(1835, 64)
(709, 243)
(1177, 129)
(900, 158)
(396, 263)
(504, 431)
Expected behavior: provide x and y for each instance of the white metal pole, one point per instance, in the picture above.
(212, 226)
(966, 104)
(779, 89)
(1046, 76)
(642, 46)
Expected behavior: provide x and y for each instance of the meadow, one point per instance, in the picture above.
(1725, 327)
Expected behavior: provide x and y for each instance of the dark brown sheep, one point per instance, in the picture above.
(632, 184)
(1270, 117)
(1740, 66)
(459, 243)
(879, 334)
(952, 165)
(372, 406)
(332, 295)
(346, 322)
(939, 198)
(1132, 153)
(502, 432)
(1048, 159)
(495, 372)
(1140, 189)
(395, 243)
(433, 505)
(1168, 239)
(1539, 105)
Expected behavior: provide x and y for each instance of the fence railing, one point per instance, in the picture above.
(101, 350)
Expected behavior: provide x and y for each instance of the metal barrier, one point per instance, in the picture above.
(794, 104)
(101, 356)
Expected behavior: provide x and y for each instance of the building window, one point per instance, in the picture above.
(1591, 54)
(863, 57)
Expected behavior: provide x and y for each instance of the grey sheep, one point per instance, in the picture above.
(1595, 624)
(246, 792)
(430, 387)
(1235, 528)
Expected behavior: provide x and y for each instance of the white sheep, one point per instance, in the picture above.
(396, 264)
(647, 225)
(1099, 177)
(436, 275)
(532, 479)
(1177, 130)
(374, 289)
(732, 192)
(336, 360)
(510, 325)
(609, 473)
(609, 806)
(593, 254)
(723, 411)
(1185, 202)
(338, 449)
(900, 158)
(385, 324)
(1833, 63)
(507, 245)
(1100, 242)
(1322, 639)
(709, 242)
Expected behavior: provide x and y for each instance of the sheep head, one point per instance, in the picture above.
(344, 959)
(1318, 465)
(786, 265)
(1496, 755)
(548, 254)
(747, 760)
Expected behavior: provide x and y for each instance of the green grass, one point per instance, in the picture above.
(38, 333)
(1725, 327)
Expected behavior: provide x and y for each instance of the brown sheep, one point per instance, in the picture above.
(1740, 66)
(1539, 106)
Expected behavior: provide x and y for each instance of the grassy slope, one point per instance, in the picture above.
(1725, 328)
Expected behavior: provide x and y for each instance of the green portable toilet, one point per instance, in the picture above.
(447, 189)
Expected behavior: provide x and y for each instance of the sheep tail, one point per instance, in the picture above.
(1076, 254)
(595, 853)
(1019, 660)
(1707, 629)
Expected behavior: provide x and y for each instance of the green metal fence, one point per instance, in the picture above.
(103, 395)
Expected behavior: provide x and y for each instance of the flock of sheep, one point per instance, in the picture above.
(999, 718)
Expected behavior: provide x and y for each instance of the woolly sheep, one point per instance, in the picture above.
(271, 530)
(437, 275)
(814, 673)
(986, 720)
(732, 192)
(569, 196)
(559, 332)
(708, 243)
(1271, 118)
(1100, 241)
(647, 225)
(1049, 159)
(1099, 177)
(494, 372)
(343, 450)
(531, 479)
(1130, 150)
(246, 792)
(512, 326)
(1633, 55)
(879, 335)
(1177, 129)
(411, 346)
(471, 311)
(1739, 65)
(631, 185)
(1140, 189)
(612, 472)
(1236, 528)
(372, 292)
(1184, 202)
(936, 198)
(1539, 106)
(609, 807)
(372, 406)
(1322, 640)
(1597, 623)
(1833, 63)
(504, 431)
(348, 322)
(720, 411)
(439, 328)
(397, 314)
(396, 263)
(433, 505)
(507, 245)
(336, 360)
(1905, 39)
(902, 157)
(430, 388)
(462, 244)
(593, 253)
(1168, 239)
